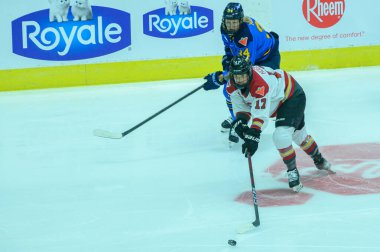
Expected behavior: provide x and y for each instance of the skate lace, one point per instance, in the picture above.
(293, 175)
(318, 160)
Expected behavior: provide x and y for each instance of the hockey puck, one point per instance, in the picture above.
(232, 242)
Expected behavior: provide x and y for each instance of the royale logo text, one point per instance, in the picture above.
(157, 24)
(35, 37)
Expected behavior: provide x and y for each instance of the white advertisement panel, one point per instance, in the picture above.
(64, 32)
(58, 32)
(320, 24)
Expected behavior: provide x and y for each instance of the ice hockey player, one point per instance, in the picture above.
(259, 93)
(242, 36)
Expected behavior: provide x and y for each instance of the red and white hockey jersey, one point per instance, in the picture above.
(267, 91)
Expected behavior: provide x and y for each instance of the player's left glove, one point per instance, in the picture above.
(251, 142)
(240, 127)
(212, 81)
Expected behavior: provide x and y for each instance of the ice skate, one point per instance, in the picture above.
(226, 125)
(294, 180)
(322, 164)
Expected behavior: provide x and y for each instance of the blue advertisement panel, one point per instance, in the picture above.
(163, 24)
(39, 35)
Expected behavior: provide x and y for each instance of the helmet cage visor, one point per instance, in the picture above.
(241, 71)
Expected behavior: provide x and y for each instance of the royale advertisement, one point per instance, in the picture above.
(72, 32)
(191, 21)
(50, 36)
(64, 32)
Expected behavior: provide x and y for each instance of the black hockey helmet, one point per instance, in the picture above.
(241, 65)
(232, 11)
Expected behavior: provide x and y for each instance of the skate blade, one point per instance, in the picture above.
(224, 130)
(297, 188)
(329, 170)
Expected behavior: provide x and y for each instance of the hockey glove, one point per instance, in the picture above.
(212, 81)
(226, 60)
(240, 127)
(251, 142)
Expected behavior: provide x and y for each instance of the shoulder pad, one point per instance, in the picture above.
(230, 88)
(259, 87)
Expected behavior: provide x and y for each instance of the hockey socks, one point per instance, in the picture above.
(289, 157)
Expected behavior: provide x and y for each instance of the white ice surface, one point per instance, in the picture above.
(170, 185)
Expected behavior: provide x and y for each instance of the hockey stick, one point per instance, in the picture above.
(256, 223)
(116, 135)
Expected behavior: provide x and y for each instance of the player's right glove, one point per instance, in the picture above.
(251, 142)
(240, 127)
(212, 81)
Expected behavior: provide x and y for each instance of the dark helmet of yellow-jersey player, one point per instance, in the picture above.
(241, 72)
(232, 18)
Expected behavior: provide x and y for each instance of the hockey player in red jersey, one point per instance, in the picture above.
(259, 93)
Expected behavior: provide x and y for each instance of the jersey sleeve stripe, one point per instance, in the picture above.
(257, 123)
(267, 52)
